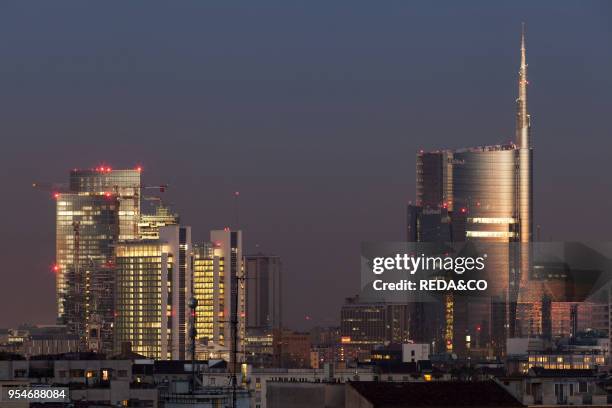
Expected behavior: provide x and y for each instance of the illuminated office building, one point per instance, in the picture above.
(483, 194)
(217, 282)
(153, 286)
(208, 289)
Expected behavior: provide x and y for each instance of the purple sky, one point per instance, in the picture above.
(312, 110)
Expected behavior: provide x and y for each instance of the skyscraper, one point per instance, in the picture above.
(153, 286)
(208, 289)
(87, 226)
(263, 291)
(218, 286)
(481, 194)
(100, 207)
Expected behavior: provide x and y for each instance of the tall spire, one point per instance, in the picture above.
(525, 152)
(522, 115)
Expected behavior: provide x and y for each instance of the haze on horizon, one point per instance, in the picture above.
(312, 110)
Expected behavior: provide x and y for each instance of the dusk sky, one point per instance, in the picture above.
(313, 110)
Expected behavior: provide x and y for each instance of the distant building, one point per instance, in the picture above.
(587, 359)
(263, 291)
(49, 341)
(415, 352)
(291, 349)
(366, 325)
(259, 347)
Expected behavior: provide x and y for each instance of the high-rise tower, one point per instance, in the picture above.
(153, 287)
(100, 207)
(218, 286)
(484, 195)
(263, 291)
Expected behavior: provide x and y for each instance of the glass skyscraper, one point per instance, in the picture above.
(100, 207)
(484, 195)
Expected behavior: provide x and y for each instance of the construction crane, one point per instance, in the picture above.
(54, 188)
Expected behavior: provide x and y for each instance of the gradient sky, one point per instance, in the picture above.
(313, 110)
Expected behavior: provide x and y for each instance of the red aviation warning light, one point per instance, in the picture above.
(56, 195)
(55, 268)
(139, 168)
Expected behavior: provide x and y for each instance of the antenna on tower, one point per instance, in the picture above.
(236, 210)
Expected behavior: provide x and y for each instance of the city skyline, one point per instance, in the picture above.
(315, 200)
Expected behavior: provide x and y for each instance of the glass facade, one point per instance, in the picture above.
(434, 176)
(87, 226)
(125, 184)
(365, 325)
(101, 207)
(485, 188)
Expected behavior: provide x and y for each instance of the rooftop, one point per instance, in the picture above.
(435, 394)
(475, 149)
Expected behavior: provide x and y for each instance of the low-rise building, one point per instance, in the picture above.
(556, 387)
